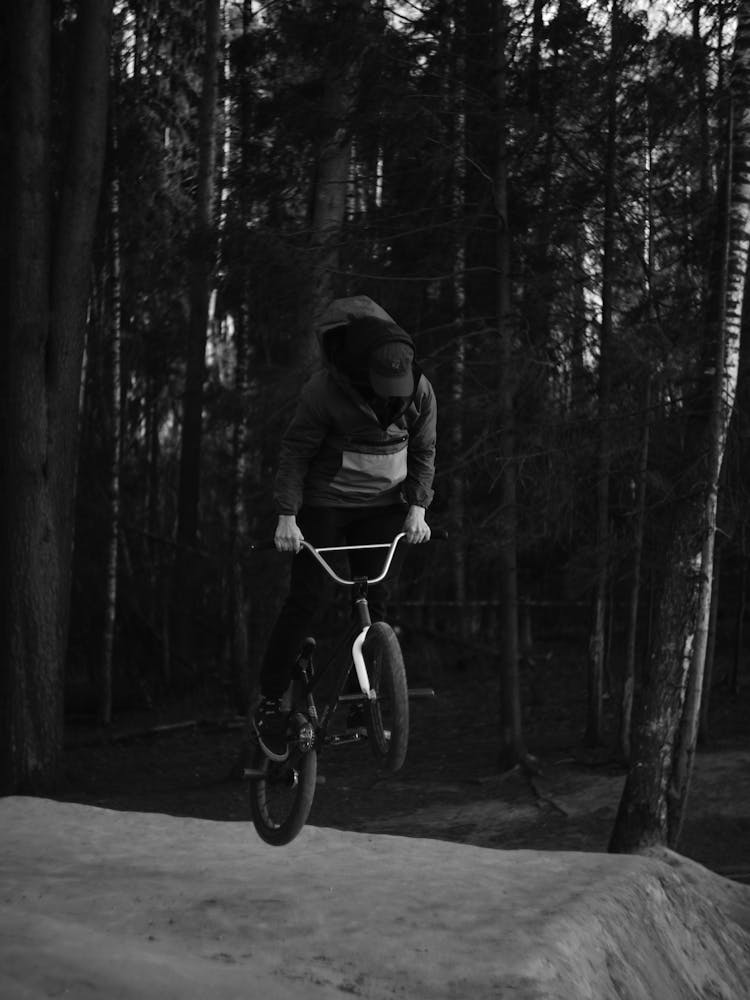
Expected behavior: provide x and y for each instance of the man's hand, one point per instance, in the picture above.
(416, 528)
(288, 537)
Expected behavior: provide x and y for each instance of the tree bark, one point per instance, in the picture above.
(202, 252)
(329, 201)
(700, 68)
(44, 306)
(201, 267)
(628, 685)
(512, 750)
(597, 651)
(704, 733)
(639, 513)
(110, 612)
(453, 41)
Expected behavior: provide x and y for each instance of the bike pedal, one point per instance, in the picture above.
(345, 739)
(421, 692)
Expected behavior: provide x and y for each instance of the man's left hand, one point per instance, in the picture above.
(416, 528)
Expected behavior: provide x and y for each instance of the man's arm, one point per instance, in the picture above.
(420, 459)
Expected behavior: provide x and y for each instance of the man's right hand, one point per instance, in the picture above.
(288, 537)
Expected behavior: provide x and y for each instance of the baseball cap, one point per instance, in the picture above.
(390, 371)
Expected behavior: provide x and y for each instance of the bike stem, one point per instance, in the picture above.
(361, 607)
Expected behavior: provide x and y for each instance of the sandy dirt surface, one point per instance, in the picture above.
(100, 903)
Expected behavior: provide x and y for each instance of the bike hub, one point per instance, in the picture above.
(306, 737)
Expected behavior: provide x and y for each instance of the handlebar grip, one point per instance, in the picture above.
(264, 546)
(438, 535)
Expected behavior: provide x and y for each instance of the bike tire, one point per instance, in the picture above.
(387, 716)
(282, 795)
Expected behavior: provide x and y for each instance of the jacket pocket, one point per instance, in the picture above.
(364, 475)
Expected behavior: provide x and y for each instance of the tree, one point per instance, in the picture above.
(639, 517)
(454, 43)
(653, 802)
(339, 84)
(43, 301)
(597, 641)
(512, 750)
(202, 254)
(110, 614)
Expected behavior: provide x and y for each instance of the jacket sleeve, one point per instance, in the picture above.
(420, 462)
(300, 443)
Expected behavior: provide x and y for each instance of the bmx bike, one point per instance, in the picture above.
(282, 793)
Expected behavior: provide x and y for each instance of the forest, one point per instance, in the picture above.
(550, 197)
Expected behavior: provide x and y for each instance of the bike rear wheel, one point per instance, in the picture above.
(281, 795)
(388, 714)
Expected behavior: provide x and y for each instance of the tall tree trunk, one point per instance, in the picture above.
(340, 86)
(639, 519)
(202, 262)
(238, 523)
(539, 290)
(700, 68)
(454, 48)
(577, 392)
(704, 733)
(43, 301)
(512, 750)
(652, 807)
(201, 269)
(597, 641)
(628, 685)
(110, 612)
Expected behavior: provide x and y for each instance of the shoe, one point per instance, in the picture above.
(270, 724)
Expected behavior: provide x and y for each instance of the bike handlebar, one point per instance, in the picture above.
(438, 534)
(391, 546)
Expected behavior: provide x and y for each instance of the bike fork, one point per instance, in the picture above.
(363, 614)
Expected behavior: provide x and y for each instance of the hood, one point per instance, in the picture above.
(340, 312)
(351, 327)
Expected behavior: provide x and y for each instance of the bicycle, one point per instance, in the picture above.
(281, 794)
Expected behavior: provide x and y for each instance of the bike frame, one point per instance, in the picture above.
(360, 604)
(354, 637)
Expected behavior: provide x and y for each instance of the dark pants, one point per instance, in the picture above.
(311, 587)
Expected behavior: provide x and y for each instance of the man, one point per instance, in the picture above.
(356, 466)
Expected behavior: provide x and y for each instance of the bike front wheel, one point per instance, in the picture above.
(281, 794)
(388, 714)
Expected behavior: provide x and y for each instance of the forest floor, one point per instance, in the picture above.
(181, 760)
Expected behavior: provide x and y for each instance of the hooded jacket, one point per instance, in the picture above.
(343, 448)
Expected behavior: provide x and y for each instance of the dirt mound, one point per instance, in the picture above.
(102, 903)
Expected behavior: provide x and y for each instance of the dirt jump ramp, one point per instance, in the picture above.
(97, 903)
